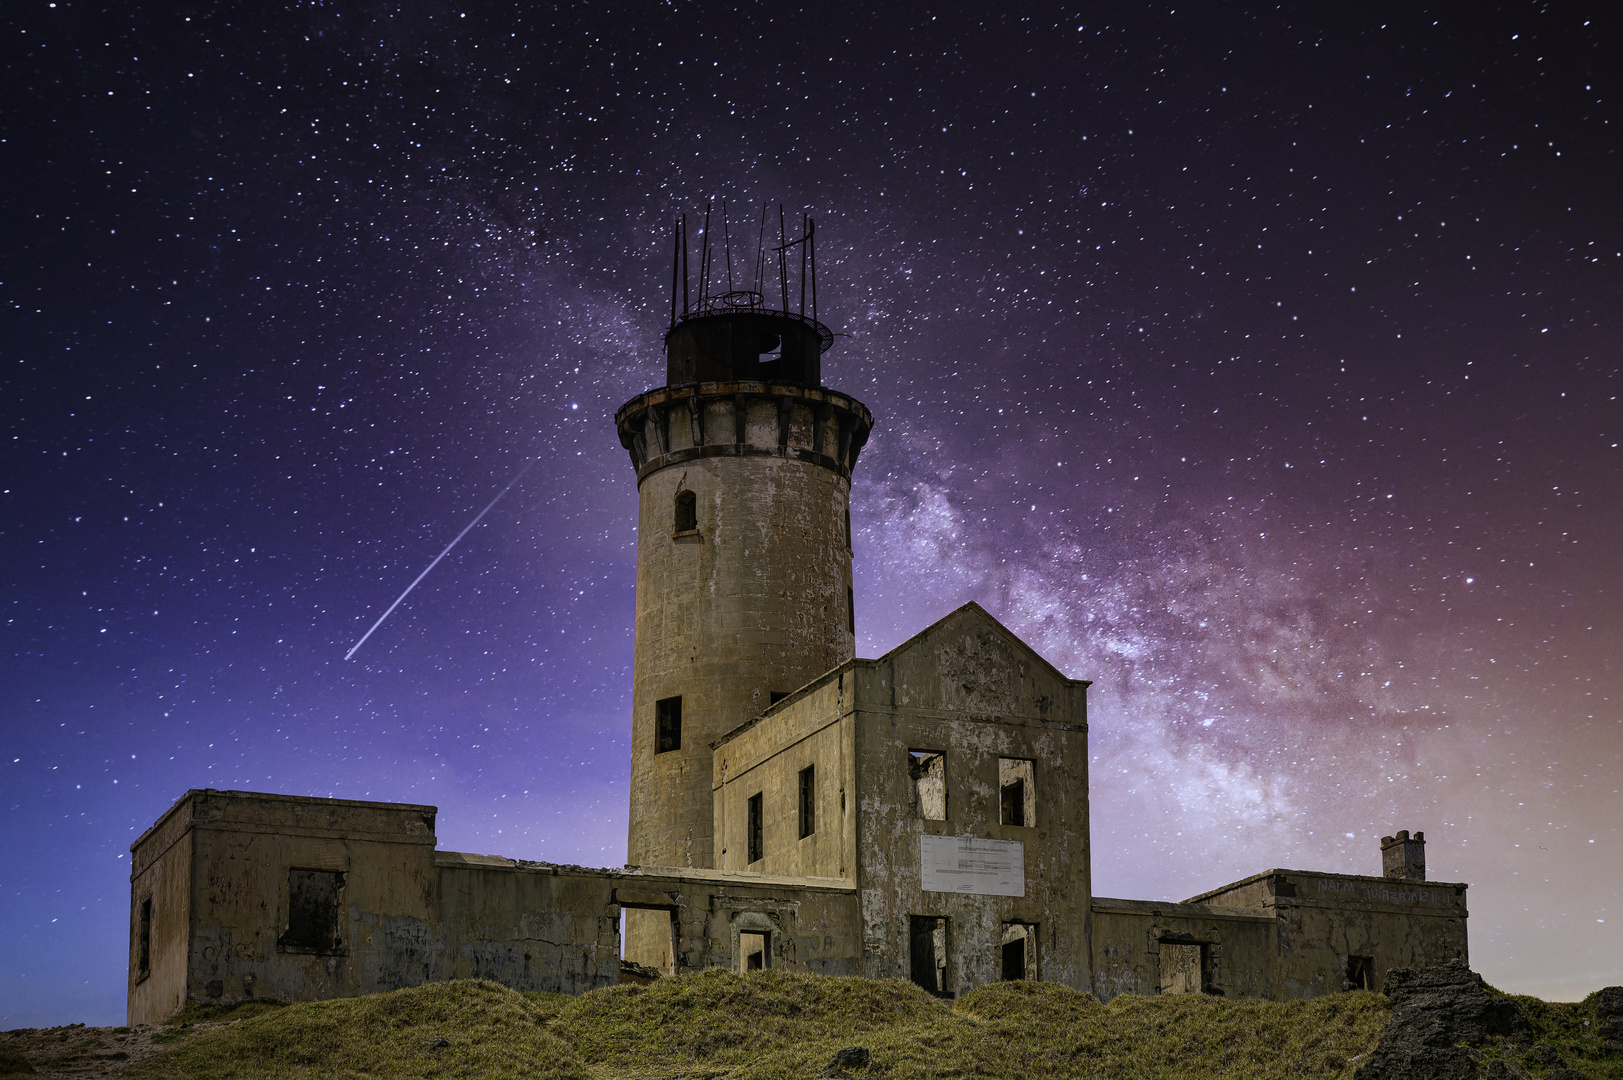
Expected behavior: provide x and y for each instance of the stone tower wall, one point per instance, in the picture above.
(755, 600)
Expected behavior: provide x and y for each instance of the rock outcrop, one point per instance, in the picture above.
(1609, 1013)
(1436, 1016)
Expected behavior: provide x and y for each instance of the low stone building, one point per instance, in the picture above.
(923, 815)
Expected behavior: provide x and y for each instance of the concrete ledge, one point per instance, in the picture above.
(1169, 909)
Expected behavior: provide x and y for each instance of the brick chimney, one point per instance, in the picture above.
(1404, 857)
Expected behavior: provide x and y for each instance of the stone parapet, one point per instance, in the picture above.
(673, 425)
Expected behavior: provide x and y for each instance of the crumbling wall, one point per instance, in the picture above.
(970, 690)
(299, 899)
(526, 925)
(811, 927)
(1133, 942)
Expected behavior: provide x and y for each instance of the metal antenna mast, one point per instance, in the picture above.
(760, 253)
(783, 263)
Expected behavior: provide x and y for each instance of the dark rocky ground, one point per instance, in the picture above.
(1447, 1024)
(75, 1051)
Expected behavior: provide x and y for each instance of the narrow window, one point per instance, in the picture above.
(928, 771)
(1018, 790)
(667, 725)
(1019, 951)
(755, 951)
(687, 512)
(776, 696)
(929, 953)
(848, 527)
(756, 848)
(1360, 972)
(143, 952)
(851, 611)
(313, 911)
(808, 801)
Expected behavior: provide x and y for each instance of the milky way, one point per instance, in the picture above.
(1261, 367)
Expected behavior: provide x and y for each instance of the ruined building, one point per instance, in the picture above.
(923, 815)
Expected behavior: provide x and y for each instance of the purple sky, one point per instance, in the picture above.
(1262, 367)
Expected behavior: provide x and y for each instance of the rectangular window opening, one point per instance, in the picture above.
(928, 771)
(851, 610)
(756, 847)
(647, 944)
(808, 801)
(1360, 973)
(1016, 778)
(313, 911)
(754, 951)
(1019, 951)
(929, 953)
(143, 952)
(667, 725)
(1184, 968)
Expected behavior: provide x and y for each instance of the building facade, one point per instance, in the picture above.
(923, 815)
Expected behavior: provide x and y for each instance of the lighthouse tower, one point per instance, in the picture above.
(743, 462)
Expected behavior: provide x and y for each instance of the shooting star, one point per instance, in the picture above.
(442, 555)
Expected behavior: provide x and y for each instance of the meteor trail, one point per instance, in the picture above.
(442, 555)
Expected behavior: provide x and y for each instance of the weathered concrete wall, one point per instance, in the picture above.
(525, 925)
(755, 600)
(161, 875)
(1128, 936)
(969, 689)
(218, 867)
(814, 727)
(242, 850)
(966, 688)
(1281, 934)
(1325, 918)
(812, 922)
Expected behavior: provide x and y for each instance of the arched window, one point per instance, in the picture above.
(687, 512)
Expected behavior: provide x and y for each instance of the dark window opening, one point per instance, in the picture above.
(1014, 959)
(667, 725)
(1014, 803)
(756, 848)
(143, 952)
(851, 611)
(755, 951)
(776, 696)
(848, 527)
(313, 910)
(929, 953)
(1017, 804)
(687, 512)
(1361, 973)
(1019, 951)
(928, 771)
(808, 801)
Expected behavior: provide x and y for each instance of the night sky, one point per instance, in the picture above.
(1260, 364)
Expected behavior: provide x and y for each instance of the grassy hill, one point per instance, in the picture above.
(767, 1025)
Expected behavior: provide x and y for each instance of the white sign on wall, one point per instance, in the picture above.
(969, 864)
